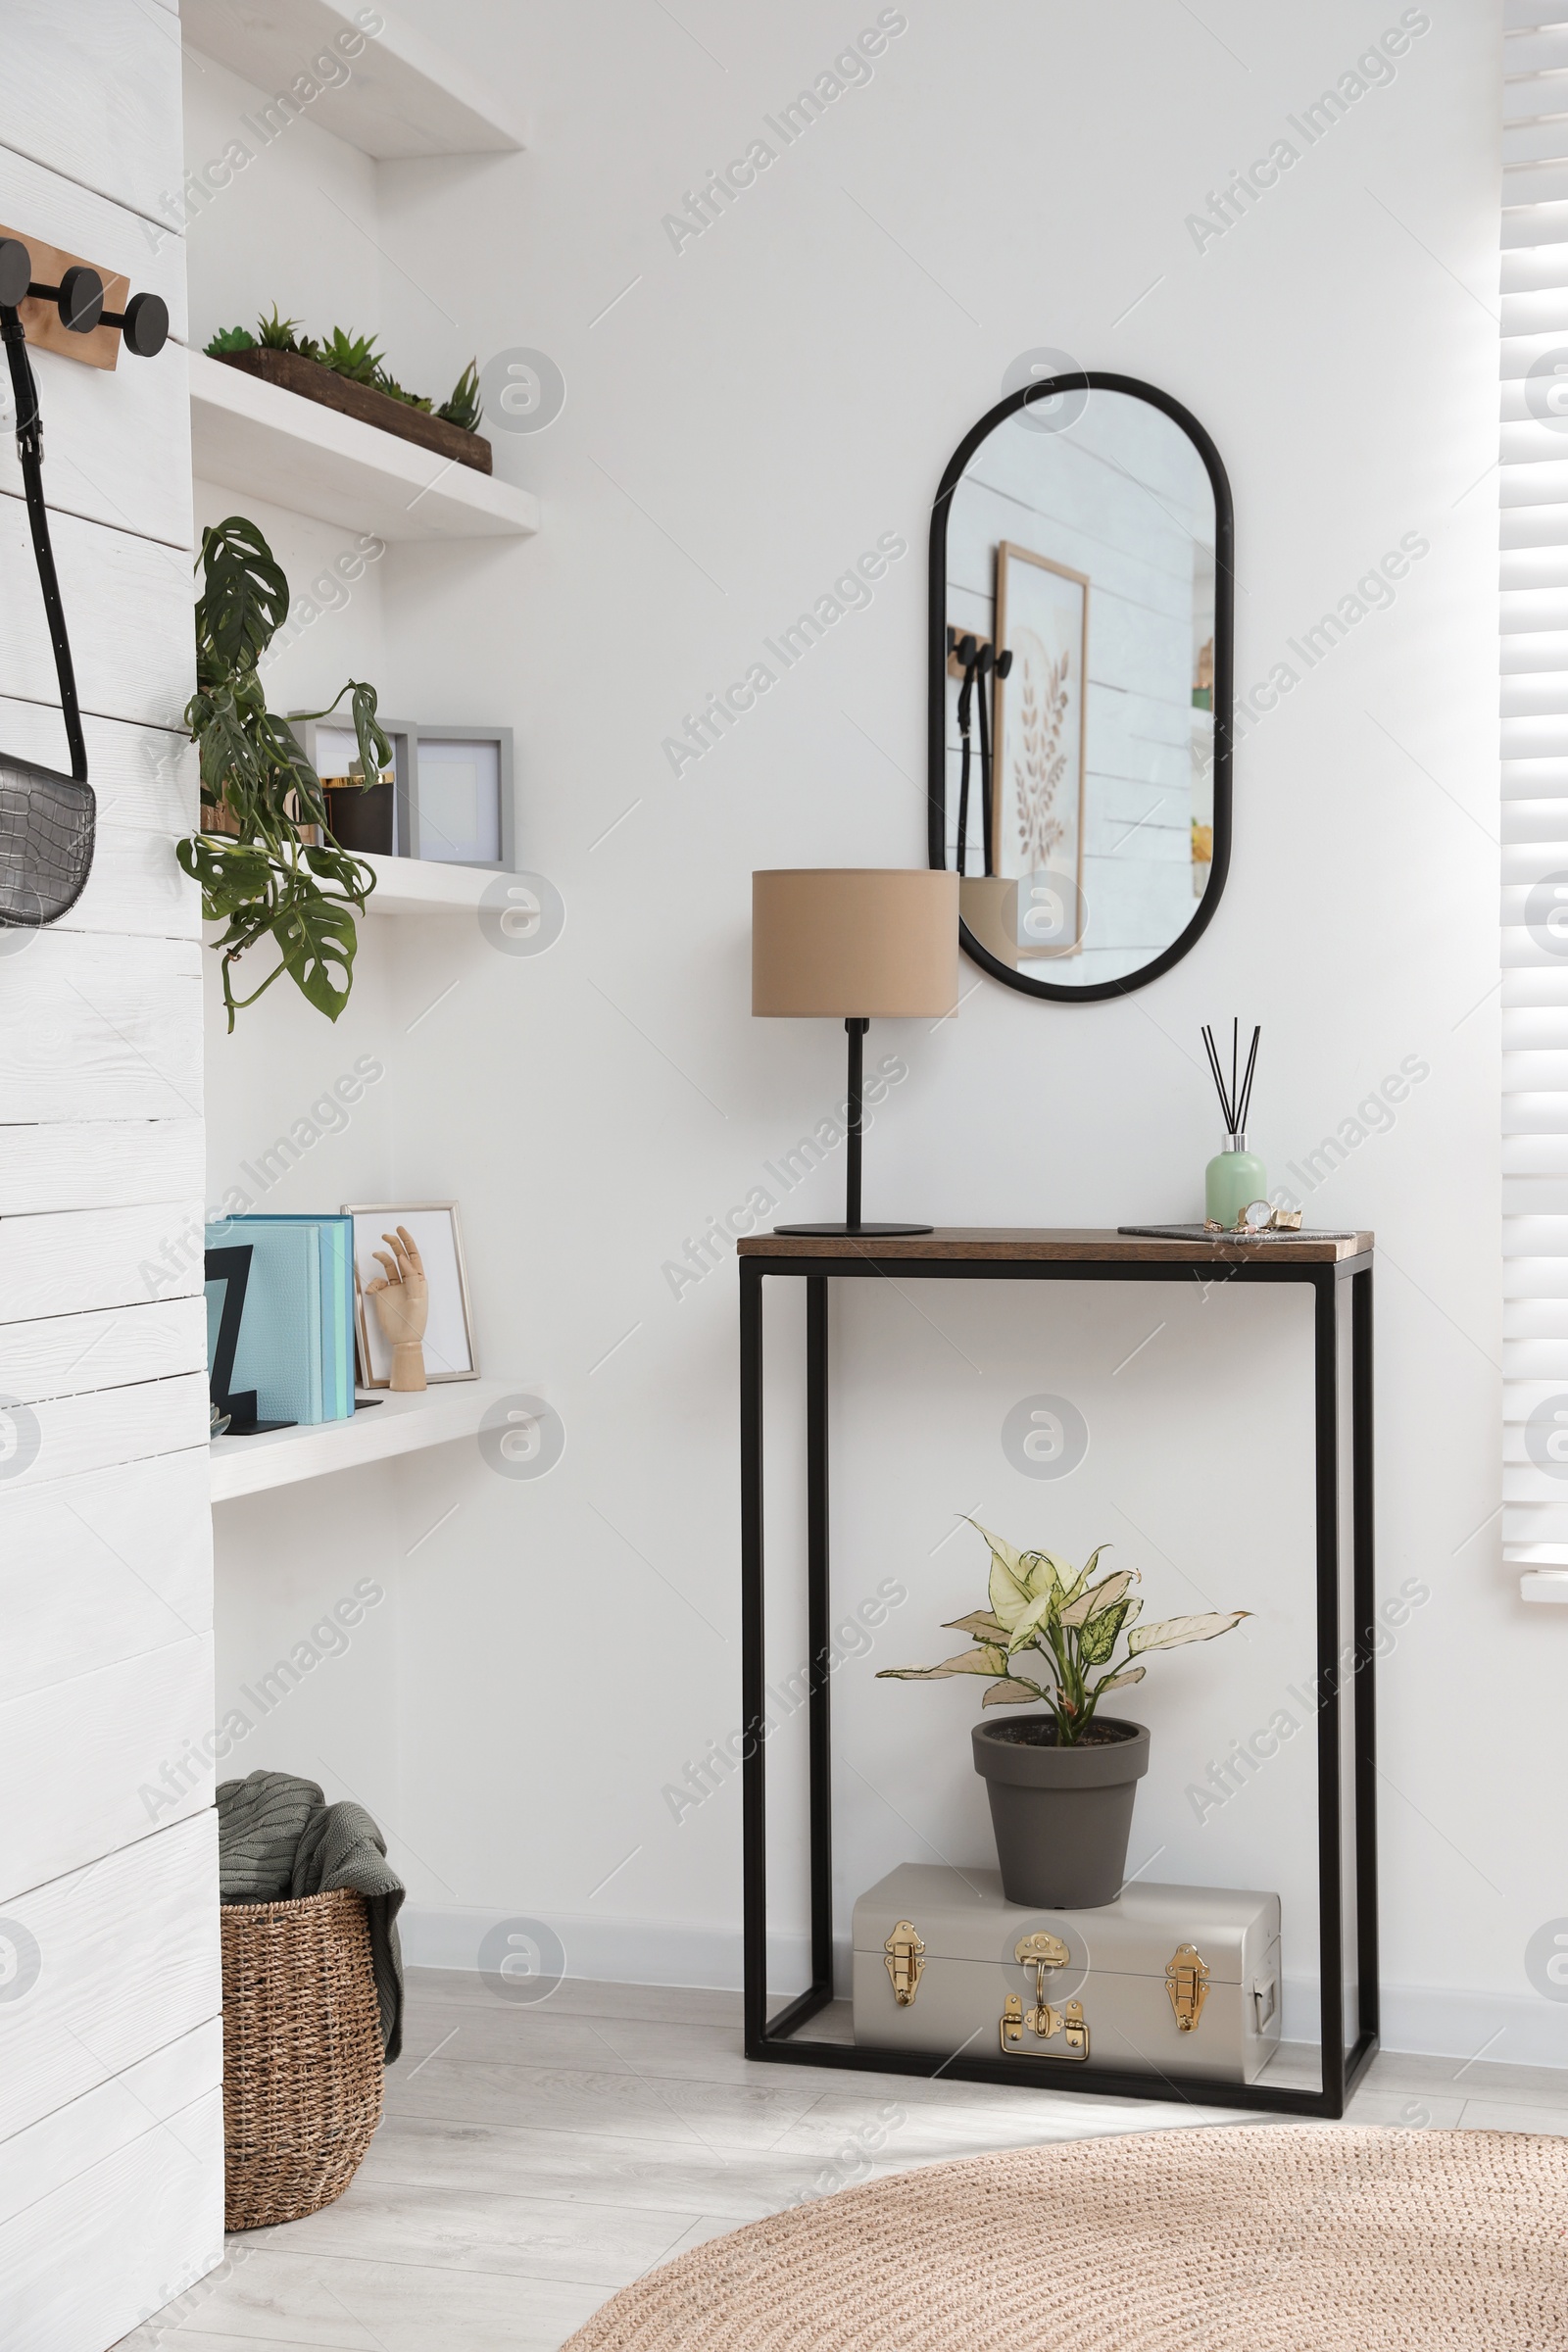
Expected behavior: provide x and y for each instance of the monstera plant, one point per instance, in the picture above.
(270, 869)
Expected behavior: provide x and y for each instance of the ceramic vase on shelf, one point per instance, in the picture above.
(1233, 1178)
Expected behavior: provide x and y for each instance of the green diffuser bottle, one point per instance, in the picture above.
(1234, 1177)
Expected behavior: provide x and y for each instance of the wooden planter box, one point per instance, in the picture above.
(296, 373)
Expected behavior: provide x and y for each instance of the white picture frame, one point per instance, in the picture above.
(449, 1346)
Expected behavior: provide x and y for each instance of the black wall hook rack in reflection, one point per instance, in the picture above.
(143, 324)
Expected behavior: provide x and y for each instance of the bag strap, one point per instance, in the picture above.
(30, 449)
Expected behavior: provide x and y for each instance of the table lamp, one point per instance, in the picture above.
(848, 943)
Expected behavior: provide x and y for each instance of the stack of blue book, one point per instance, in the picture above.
(296, 1334)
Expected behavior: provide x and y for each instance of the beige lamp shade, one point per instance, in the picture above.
(853, 941)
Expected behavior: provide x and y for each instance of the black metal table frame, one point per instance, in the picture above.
(1345, 1655)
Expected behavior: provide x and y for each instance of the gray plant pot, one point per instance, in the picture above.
(1062, 1816)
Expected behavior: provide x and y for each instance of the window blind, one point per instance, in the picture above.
(1534, 581)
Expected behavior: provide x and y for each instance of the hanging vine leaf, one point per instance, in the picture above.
(260, 875)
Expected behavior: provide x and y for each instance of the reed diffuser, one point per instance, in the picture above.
(1234, 1177)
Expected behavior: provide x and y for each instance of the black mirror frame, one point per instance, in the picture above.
(1093, 380)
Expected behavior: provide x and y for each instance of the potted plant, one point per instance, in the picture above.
(1061, 1784)
(267, 847)
(348, 373)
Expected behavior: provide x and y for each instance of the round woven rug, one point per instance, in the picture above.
(1270, 2238)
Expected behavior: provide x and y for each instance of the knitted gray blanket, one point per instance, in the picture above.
(277, 1838)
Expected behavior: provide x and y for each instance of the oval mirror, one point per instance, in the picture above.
(1080, 692)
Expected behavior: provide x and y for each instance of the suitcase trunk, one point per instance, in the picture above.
(1180, 1980)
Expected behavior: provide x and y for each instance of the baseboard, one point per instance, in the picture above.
(1494, 2028)
(1498, 2028)
(605, 1951)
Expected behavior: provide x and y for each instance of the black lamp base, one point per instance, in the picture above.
(854, 1232)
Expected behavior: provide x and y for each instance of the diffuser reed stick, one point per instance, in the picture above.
(1235, 1098)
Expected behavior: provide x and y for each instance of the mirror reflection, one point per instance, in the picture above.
(1079, 656)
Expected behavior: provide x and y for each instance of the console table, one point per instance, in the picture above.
(1338, 1270)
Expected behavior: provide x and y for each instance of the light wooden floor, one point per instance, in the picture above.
(533, 2159)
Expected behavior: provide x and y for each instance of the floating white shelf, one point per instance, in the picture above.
(1545, 1583)
(397, 1425)
(255, 437)
(419, 886)
(401, 96)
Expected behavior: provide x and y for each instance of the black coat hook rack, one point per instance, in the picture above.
(79, 298)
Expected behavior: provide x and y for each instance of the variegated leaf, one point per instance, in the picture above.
(1046, 1573)
(1098, 1597)
(1030, 1622)
(1001, 1550)
(1118, 1682)
(1171, 1631)
(1009, 1590)
(1099, 1637)
(980, 1623)
(1074, 1585)
(969, 1661)
(1010, 1694)
(1009, 1600)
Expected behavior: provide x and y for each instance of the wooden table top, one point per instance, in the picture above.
(1059, 1244)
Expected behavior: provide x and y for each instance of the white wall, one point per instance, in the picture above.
(744, 416)
(110, 2122)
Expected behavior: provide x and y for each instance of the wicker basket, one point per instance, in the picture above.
(302, 2055)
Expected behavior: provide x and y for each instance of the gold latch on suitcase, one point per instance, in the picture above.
(904, 1961)
(1187, 1983)
(1042, 1951)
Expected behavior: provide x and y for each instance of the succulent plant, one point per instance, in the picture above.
(464, 406)
(276, 333)
(395, 391)
(353, 357)
(1041, 1604)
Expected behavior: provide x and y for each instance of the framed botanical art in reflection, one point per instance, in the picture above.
(1038, 778)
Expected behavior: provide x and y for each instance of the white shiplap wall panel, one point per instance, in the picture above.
(114, 128)
(78, 1759)
(116, 447)
(103, 1568)
(100, 1028)
(112, 2201)
(71, 1435)
(1534, 907)
(136, 888)
(67, 1355)
(114, 1164)
(93, 1257)
(127, 606)
(126, 1955)
(113, 2205)
(144, 778)
(63, 208)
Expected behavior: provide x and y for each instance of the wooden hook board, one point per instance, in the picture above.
(41, 322)
(956, 636)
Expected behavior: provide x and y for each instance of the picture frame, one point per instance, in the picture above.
(1038, 771)
(450, 1351)
(451, 801)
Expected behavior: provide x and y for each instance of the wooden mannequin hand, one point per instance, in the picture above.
(402, 1306)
